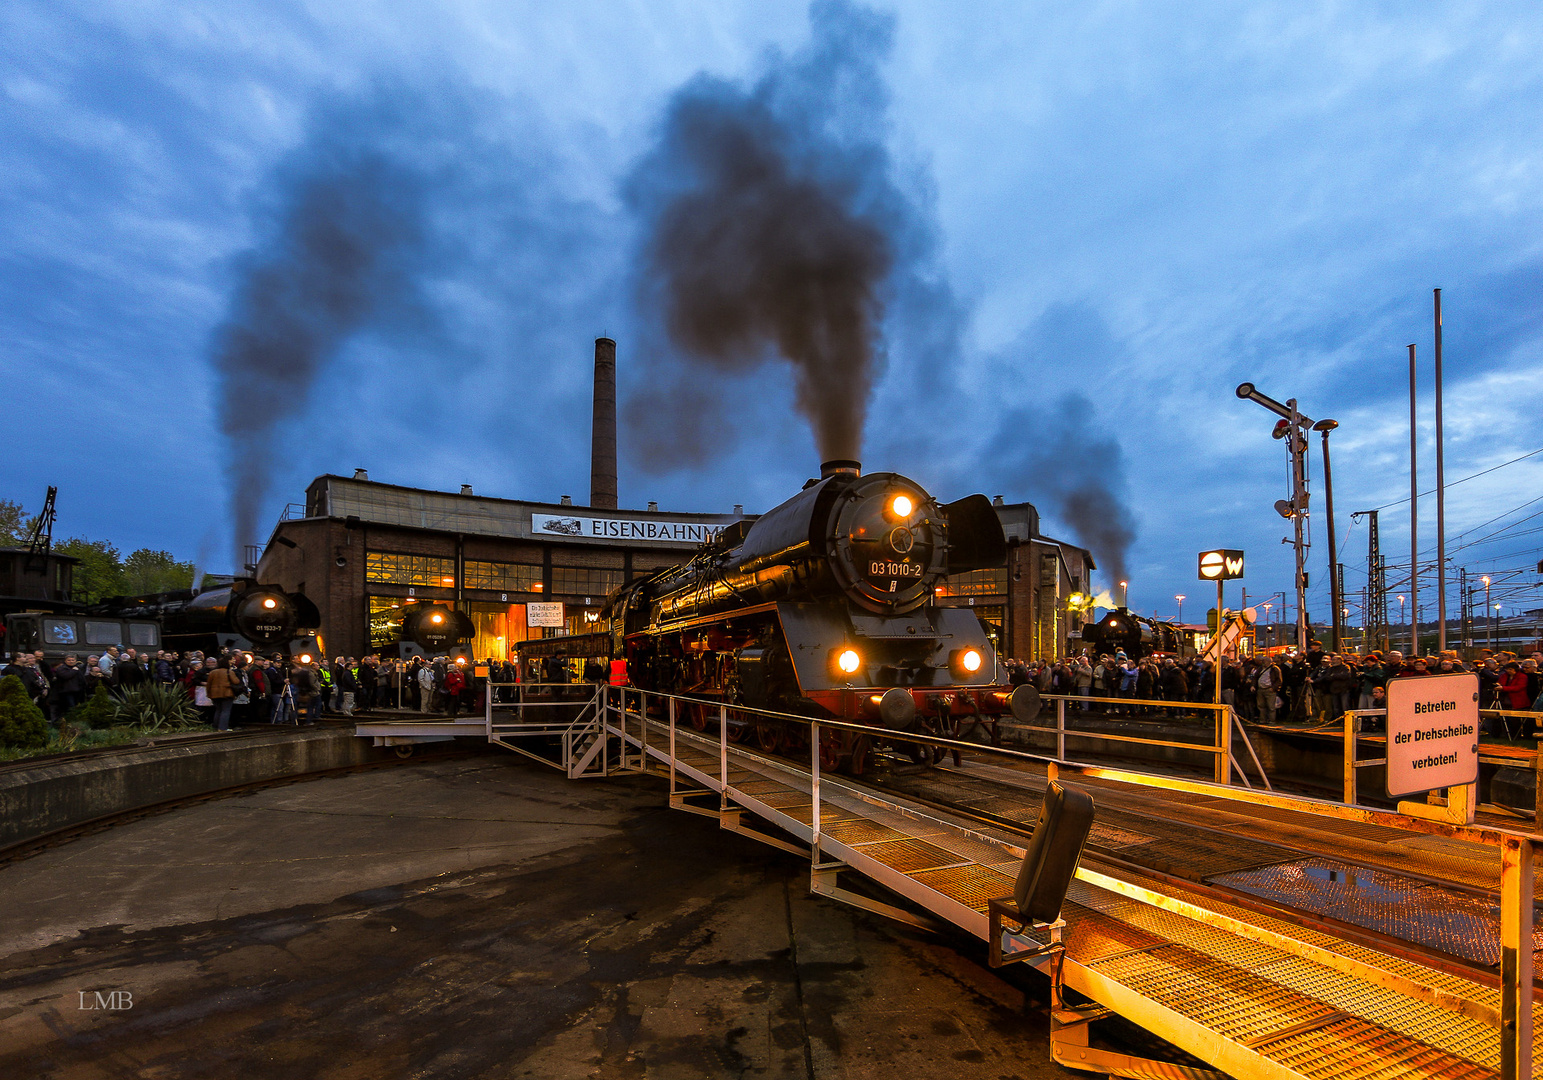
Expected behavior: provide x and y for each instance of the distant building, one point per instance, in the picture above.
(364, 551)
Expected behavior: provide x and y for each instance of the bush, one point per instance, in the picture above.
(22, 724)
(158, 707)
(97, 711)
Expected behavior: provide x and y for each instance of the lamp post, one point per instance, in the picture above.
(1491, 634)
(1401, 616)
(1124, 593)
(1267, 606)
(1180, 598)
(1495, 628)
(1337, 630)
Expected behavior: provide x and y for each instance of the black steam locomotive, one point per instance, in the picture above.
(1137, 636)
(824, 607)
(242, 615)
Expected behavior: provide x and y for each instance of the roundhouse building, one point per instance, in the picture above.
(364, 551)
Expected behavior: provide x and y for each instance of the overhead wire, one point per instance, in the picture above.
(1464, 480)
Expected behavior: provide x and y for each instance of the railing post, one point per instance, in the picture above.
(1537, 790)
(1349, 786)
(723, 757)
(1223, 742)
(1060, 729)
(672, 747)
(1516, 958)
(814, 788)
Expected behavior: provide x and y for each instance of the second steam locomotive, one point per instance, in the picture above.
(824, 607)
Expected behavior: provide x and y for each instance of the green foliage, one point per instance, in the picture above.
(100, 572)
(15, 524)
(22, 723)
(158, 707)
(97, 711)
(147, 571)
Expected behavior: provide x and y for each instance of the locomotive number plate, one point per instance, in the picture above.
(894, 569)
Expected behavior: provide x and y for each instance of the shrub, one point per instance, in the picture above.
(97, 711)
(22, 724)
(157, 707)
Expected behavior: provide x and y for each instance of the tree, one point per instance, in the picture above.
(147, 571)
(99, 573)
(15, 524)
(21, 723)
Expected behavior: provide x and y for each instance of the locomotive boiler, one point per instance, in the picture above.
(242, 615)
(1137, 636)
(825, 607)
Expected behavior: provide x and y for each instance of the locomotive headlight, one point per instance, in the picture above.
(305, 658)
(965, 662)
(270, 603)
(436, 618)
(846, 661)
(902, 506)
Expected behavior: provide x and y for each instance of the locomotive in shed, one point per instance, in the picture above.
(825, 607)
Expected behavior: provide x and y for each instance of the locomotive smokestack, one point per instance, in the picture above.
(840, 467)
(602, 450)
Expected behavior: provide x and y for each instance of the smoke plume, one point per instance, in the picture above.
(1055, 456)
(337, 251)
(770, 224)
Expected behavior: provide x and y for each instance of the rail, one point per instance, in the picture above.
(620, 705)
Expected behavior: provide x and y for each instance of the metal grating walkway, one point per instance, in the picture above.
(1253, 995)
(1172, 922)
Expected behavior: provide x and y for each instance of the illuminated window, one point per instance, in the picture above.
(503, 577)
(423, 570)
(577, 581)
(975, 583)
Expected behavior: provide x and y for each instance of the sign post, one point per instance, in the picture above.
(1219, 565)
(1433, 742)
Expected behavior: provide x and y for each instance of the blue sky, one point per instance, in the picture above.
(1119, 212)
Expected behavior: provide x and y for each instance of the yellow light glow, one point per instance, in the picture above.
(970, 661)
(448, 580)
(848, 661)
(436, 619)
(270, 603)
(902, 506)
(305, 658)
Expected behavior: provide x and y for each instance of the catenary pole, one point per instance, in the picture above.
(1414, 525)
(1441, 499)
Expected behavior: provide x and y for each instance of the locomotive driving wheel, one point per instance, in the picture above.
(769, 734)
(830, 751)
(696, 712)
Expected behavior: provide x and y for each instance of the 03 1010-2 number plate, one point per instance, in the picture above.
(878, 568)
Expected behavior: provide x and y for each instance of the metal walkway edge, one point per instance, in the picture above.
(1251, 994)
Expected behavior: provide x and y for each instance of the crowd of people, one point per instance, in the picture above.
(1311, 687)
(237, 687)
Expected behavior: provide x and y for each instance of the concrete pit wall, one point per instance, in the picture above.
(57, 794)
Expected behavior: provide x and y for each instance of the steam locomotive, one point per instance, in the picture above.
(824, 607)
(1137, 636)
(242, 615)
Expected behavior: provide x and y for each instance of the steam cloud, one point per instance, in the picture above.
(770, 225)
(338, 252)
(1057, 457)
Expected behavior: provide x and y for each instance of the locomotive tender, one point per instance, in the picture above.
(824, 607)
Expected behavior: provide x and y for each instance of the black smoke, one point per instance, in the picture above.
(1056, 456)
(338, 251)
(771, 222)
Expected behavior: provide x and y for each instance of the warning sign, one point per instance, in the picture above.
(1433, 733)
(545, 614)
